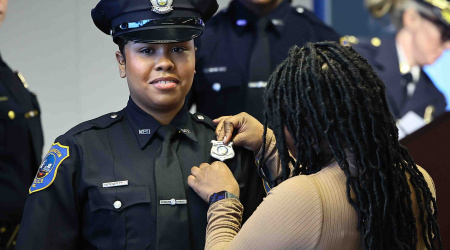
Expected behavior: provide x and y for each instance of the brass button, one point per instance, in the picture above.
(2, 230)
(11, 115)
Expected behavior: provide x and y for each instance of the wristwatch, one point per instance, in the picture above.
(220, 196)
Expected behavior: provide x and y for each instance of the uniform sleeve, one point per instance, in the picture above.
(50, 219)
(290, 217)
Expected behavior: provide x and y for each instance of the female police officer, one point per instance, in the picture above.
(119, 181)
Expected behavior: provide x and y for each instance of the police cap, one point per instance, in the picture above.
(441, 9)
(153, 21)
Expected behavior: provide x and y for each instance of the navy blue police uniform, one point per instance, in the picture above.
(221, 84)
(21, 142)
(101, 183)
(383, 57)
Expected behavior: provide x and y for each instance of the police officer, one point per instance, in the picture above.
(241, 46)
(423, 33)
(120, 181)
(21, 142)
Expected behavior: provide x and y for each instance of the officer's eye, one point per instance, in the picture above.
(178, 49)
(146, 50)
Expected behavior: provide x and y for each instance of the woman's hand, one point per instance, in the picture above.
(208, 179)
(249, 130)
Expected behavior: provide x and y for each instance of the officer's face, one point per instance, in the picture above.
(3, 6)
(159, 76)
(427, 44)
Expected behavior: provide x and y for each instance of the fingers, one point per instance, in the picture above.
(219, 129)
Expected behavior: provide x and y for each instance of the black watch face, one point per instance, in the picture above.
(217, 196)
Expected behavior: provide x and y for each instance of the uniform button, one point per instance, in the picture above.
(117, 204)
(114, 116)
(376, 42)
(216, 87)
(11, 115)
(200, 117)
(300, 10)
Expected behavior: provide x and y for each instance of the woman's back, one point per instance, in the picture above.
(303, 212)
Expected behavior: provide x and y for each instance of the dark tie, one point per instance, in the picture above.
(259, 70)
(405, 80)
(172, 222)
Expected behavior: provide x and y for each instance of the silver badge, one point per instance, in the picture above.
(162, 6)
(222, 151)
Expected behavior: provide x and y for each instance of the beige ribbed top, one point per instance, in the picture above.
(303, 212)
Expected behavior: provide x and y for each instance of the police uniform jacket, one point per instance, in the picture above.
(384, 60)
(77, 211)
(21, 142)
(220, 84)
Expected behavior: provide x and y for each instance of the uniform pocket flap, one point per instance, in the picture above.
(118, 198)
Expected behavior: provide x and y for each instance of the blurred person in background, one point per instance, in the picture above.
(423, 34)
(21, 142)
(241, 46)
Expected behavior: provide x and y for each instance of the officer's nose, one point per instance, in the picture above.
(164, 63)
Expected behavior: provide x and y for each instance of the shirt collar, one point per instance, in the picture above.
(145, 126)
(243, 18)
(403, 62)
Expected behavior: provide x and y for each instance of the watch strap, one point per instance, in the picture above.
(220, 196)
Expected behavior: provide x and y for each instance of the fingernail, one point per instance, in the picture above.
(224, 138)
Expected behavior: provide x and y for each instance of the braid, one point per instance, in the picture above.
(324, 92)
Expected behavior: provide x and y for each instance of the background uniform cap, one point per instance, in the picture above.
(153, 21)
(441, 9)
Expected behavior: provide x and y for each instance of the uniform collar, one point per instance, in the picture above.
(145, 126)
(243, 18)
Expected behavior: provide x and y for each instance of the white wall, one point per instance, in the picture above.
(66, 60)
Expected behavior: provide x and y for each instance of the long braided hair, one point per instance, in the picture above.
(328, 92)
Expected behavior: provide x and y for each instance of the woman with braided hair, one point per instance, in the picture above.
(343, 181)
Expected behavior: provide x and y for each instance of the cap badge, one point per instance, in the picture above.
(162, 6)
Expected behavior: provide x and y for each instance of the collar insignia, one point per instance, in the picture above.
(162, 6)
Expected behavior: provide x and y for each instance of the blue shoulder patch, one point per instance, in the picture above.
(47, 170)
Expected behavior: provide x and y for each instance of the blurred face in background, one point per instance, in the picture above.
(3, 7)
(427, 37)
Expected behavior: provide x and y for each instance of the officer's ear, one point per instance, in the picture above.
(121, 62)
(411, 19)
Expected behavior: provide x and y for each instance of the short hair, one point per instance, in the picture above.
(327, 92)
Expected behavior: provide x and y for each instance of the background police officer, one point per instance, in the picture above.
(423, 33)
(120, 181)
(241, 46)
(21, 142)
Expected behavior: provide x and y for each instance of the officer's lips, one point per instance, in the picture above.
(164, 83)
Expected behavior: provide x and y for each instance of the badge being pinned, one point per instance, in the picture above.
(222, 151)
(47, 170)
(161, 6)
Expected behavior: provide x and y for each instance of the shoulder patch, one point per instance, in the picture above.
(47, 170)
(201, 118)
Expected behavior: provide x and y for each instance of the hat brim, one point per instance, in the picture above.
(162, 35)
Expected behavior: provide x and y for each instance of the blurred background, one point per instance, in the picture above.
(71, 65)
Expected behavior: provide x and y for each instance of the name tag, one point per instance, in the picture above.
(260, 84)
(172, 202)
(115, 184)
